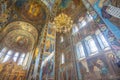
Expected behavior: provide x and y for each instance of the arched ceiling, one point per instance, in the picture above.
(20, 25)
(18, 15)
(18, 36)
(33, 12)
(19, 41)
(40, 12)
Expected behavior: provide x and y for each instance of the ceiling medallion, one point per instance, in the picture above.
(21, 40)
(63, 23)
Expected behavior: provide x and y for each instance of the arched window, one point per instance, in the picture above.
(62, 58)
(75, 29)
(15, 56)
(61, 39)
(82, 23)
(91, 46)
(8, 56)
(102, 41)
(89, 17)
(80, 51)
(21, 59)
(26, 59)
(3, 51)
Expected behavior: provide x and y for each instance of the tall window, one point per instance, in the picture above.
(3, 52)
(82, 23)
(21, 59)
(103, 43)
(15, 57)
(91, 45)
(26, 59)
(75, 29)
(89, 17)
(62, 58)
(61, 39)
(8, 56)
(80, 52)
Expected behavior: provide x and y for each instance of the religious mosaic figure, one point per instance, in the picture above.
(115, 44)
(4, 11)
(34, 9)
(47, 70)
(103, 69)
(96, 70)
(113, 61)
(3, 7)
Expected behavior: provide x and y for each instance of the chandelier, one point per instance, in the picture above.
(62, 23)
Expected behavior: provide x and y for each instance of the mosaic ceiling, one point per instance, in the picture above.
(19, 36)
(17, 17)
(73, 8)
(33, 12)
(39, 12)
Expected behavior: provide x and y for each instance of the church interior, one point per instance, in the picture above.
(59, 39)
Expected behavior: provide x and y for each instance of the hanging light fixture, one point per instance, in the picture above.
(62, 23)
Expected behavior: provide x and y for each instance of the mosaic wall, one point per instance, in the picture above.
(48, 70)
(104, 65)
(98, 67)
(110, 31)
(5, 12)
(112, 23)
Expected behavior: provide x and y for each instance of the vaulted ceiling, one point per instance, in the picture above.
(18, 36)
(19, 18)
(40, 12)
